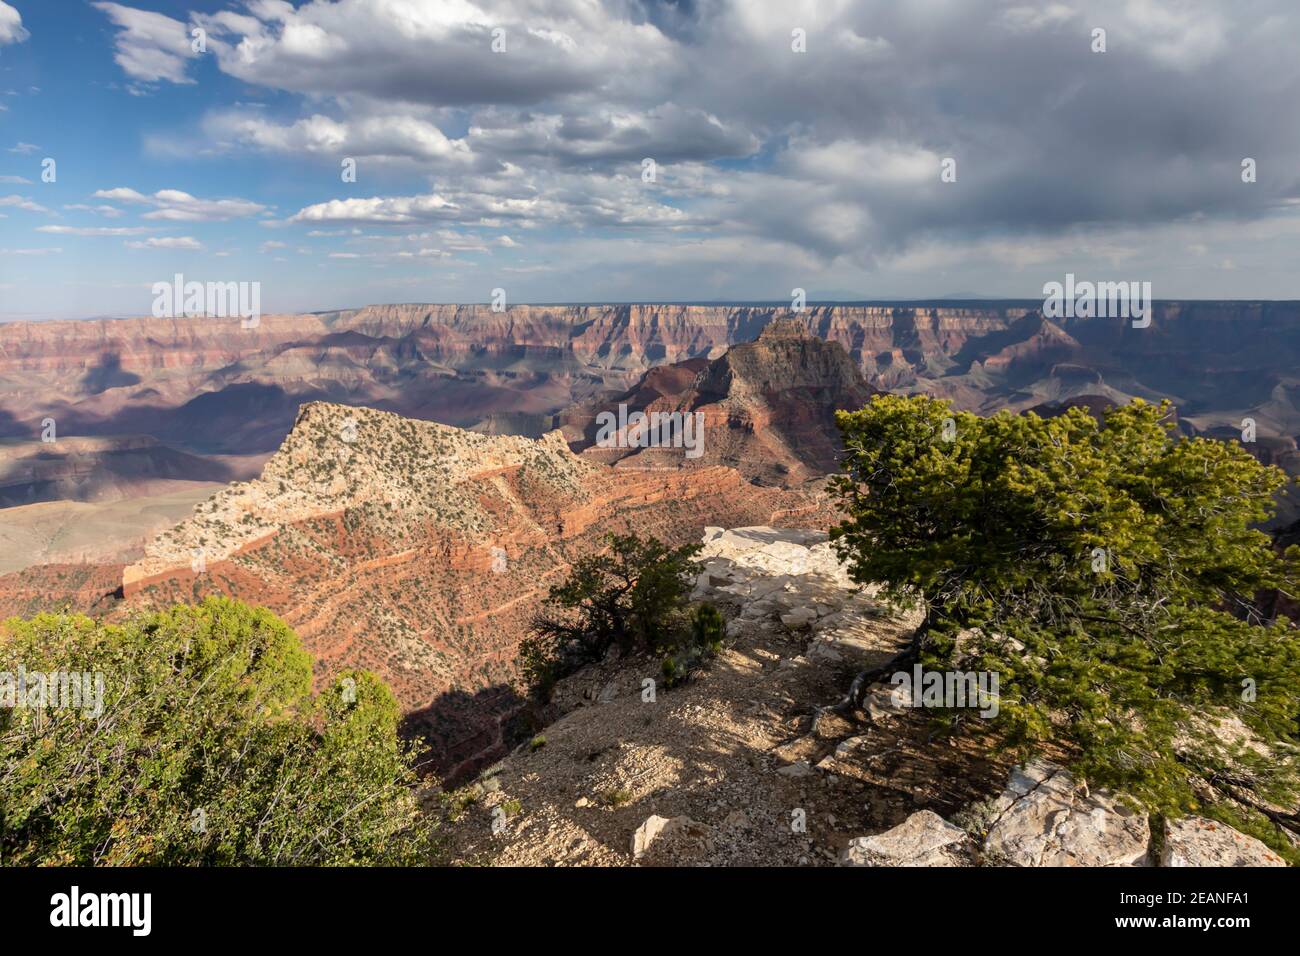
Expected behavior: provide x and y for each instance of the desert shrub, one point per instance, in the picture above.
(695, 646)
(207, 747)
(1106, 571)
(634, 596)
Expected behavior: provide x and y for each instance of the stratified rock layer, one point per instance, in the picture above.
(766, 408)
(421, 552)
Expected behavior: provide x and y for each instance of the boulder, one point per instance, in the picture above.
(800, 768)
(799, 617)
(824, 651)
(923, 839)
(657, 830)
(1046, 818)
(646, 833)
(1196, 841)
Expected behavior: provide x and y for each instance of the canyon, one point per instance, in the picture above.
(209, 389)
(403, 483)
(415, 550)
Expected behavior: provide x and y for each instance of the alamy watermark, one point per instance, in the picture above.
(653, 430)
(947, 689)
(218, 299)
(1123, 300)
(53, 690)
(130, 910)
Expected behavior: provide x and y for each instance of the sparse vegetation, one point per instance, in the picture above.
(701, 642)
(635, 596)
(614, 797)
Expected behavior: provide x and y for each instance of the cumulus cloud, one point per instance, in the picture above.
(434, 53)
(829, 160)
(150, 47)
(667, 133)
(175, 205)
(535, 199)
(383, 136)
(11, 25)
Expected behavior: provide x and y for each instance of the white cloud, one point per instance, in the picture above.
(537, 198)
(666, 133)
(108, 212)
(11, 25)
(385, 137)
(93, 230)
(435, 53)
(177, 206)
(166, 242)
(377, 209)
(15, 201)
(150, 46)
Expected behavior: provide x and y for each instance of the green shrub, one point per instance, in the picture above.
(614, 797)
(702, 642)
(208, 749)
(633, 596)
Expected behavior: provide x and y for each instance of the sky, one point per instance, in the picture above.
(644, 150)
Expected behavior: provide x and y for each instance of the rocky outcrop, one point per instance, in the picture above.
(1046, 818)
(923, 839)
(731, 769)
(1196, 841)
(422, 552)
(662, 839)
(338, 459)
(795, 579)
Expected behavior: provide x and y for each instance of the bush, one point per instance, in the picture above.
(208, 749)
(1122, 560)
(634, 596)
(703, 641)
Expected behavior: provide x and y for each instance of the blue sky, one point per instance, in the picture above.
(522, 168)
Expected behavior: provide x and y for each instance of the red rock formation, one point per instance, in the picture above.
(767, 408)
(414, 550)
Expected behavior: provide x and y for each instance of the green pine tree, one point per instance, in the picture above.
(1108, 572)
